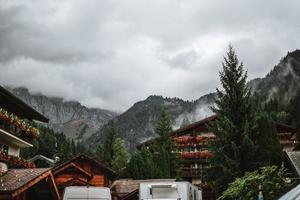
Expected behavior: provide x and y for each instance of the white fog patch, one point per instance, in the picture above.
(272, 92)
(202, 111)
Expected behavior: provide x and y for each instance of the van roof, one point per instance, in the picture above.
(166, 182)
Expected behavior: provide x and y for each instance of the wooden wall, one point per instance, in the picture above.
(81, 171)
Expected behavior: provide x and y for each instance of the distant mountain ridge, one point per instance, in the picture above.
(70, 117)
(137, 123)
(283, 81)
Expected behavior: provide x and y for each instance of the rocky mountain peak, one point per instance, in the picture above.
(283, 81)
(70, 117)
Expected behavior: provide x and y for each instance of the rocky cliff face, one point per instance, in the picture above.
(70, 117)
(283, 81)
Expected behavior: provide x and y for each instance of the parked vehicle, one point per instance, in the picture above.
(293, 194)
(169, 190)
(86, 193)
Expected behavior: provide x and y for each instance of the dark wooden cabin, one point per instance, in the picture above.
(83, 170)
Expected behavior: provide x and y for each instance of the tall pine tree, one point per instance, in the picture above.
(164, 148)
(234, 144)
(143, 165)
(120, 156)
(105, 149)
(246, 134)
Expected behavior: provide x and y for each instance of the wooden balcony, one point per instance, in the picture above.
(12, 125)
(15, 162)
(13, 139)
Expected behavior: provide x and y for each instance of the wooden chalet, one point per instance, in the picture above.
(82, 170)
(22, 181)
(194, 151)
(15, 131)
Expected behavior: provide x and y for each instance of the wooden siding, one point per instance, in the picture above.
(82, 170)
(98, 180)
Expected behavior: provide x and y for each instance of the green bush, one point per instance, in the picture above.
(270, 178)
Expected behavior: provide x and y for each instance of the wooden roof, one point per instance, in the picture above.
(81, 157)
(14, 105)
(190, 127)
(181, 131)
(72, 166)
(282, 128)
(75, 181)
(201, 125)
(16, 181)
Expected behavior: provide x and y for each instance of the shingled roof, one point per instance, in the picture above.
(13, 104)
(16, 178)
(16, 181)
(83, 156)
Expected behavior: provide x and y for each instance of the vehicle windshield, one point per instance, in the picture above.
(165, 193)
(87, 199)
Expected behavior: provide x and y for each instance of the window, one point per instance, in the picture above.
(4, 149)
(164, 193)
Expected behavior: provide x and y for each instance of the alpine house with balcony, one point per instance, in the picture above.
(16, 131)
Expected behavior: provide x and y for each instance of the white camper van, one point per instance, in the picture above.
(86, 193)
(169, 191)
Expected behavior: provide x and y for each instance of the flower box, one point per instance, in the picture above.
(16, 162)
(16, 126)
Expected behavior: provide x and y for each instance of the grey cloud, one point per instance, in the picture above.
(112, 53)
(184, 60)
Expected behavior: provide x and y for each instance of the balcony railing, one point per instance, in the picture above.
(196, 155)
(15, 162)
(17, 126)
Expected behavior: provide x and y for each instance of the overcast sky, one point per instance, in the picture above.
(110, 54)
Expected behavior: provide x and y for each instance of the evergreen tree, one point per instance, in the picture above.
(105, 150)
(120, 155)
(234, 127)
(142, 165)
(268, 148)
(159, 160)
(52, 144)
(294, 109)
(163, 129)
(164, 148)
